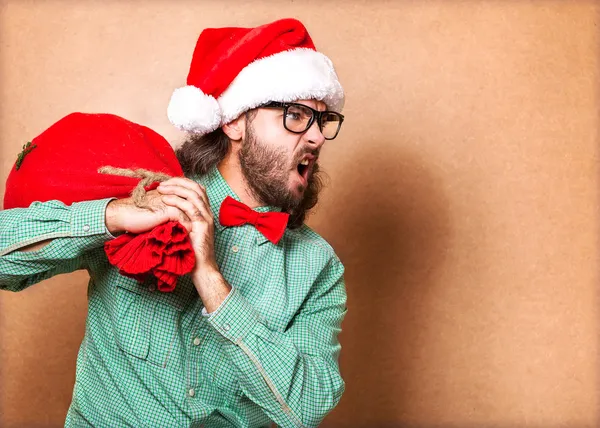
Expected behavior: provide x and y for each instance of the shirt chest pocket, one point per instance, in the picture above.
(146, 321)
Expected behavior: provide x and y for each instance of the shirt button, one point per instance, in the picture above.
(235, 248)
(197, 341)
(152, 287)
(191, 392)
(226, 327)
(86, 228)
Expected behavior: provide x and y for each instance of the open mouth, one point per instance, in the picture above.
(303, 168)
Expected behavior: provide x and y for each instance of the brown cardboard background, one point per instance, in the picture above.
(463, 196)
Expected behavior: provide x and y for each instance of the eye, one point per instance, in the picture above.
(299, 112)
(293, 115)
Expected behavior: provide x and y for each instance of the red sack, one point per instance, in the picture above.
(62, 164)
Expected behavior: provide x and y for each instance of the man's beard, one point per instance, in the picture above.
(267, 170)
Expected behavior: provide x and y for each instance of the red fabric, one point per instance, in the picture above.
(209, 70)
(64, 165)
(163, 252)
(272, 224)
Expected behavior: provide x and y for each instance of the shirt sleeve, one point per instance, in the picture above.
(73, 229)
(293, 375)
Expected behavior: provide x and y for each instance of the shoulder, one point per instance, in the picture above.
(315, 259)
(310, 246)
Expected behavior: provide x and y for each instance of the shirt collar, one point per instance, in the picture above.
(217, 190)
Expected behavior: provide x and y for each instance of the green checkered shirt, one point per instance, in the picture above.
(152, 359)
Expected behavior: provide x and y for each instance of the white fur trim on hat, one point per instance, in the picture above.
(192, 110)
(285, 77)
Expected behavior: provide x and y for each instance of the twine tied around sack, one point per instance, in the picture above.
(147, 177)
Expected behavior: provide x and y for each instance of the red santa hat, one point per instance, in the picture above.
(237, 69)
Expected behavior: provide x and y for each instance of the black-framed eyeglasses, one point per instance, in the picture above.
(297, 118)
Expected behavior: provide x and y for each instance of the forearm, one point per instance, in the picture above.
(212, 288)
(113, 217)
(35, 247)
(46, 239)
(292, 376)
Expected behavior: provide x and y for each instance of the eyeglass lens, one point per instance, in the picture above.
(298, 119)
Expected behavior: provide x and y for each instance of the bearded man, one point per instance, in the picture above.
(250, 336)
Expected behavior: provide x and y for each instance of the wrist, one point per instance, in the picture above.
(212, 288)
(206, 274)
(111, 218)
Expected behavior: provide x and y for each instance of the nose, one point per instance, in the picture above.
(315, 136)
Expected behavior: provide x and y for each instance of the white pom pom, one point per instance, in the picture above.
(192, 110)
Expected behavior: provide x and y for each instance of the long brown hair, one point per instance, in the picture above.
(198, 154)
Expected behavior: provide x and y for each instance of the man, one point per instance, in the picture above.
(250, 336)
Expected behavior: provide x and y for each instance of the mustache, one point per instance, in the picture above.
(313, 152)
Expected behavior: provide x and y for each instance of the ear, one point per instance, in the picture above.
(235, 129)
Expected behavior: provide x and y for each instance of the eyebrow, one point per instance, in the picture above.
(315, 106)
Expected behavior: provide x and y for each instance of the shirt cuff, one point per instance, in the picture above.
(88, 218)
(235, 317)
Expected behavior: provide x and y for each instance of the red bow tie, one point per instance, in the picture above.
(272, 224)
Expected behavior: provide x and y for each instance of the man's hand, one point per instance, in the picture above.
(189, 197)
(185, 201)
(123, 216)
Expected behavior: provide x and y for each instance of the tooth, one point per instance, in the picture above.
(304, 162)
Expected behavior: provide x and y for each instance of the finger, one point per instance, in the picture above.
(187, 225)
(184, 220)
(198, 207)
(184, 182)
(196, 214)
(181, 191)
(188, 184)
(188, 194)
(181, 216)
